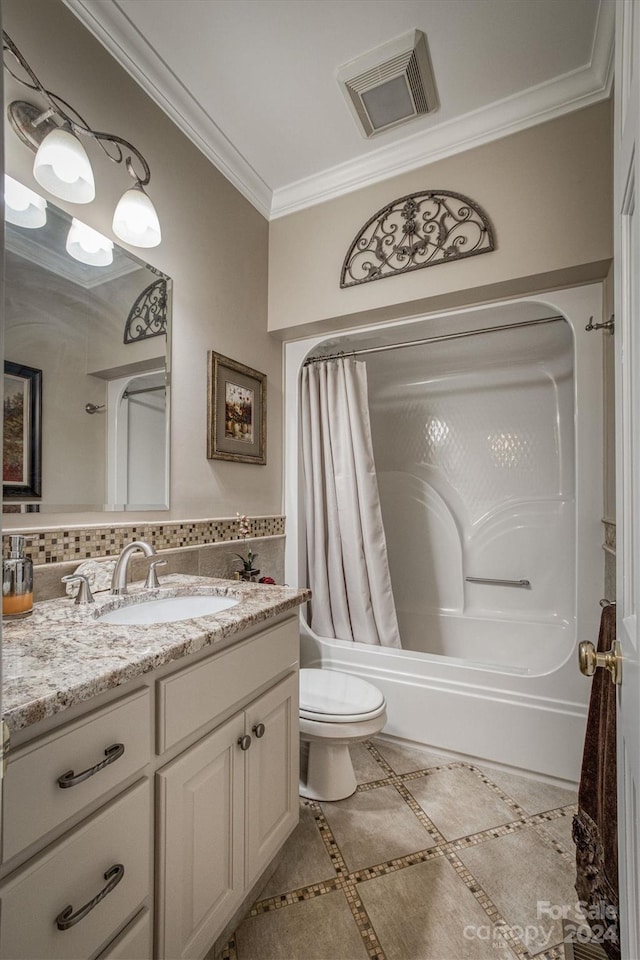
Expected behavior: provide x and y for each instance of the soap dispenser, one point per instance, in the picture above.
(17, 581)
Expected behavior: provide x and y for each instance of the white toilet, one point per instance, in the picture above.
(336, 709)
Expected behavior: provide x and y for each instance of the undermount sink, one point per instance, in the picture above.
(168, 610)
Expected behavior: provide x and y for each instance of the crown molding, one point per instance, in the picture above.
(110, 25)
(572, 91)
(554, 98)
(603, 50)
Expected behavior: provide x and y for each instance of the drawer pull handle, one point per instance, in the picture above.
(71, 779)
(68, 918)
(259, 730)
(244, 742)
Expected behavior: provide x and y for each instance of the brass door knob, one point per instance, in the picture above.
(589, 660)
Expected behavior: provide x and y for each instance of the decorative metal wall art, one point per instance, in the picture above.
(148, 315)
(419, 230)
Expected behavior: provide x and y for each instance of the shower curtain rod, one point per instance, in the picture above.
(417, 343)
(134, 393)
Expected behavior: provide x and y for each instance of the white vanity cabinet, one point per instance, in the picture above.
(272, 774)
(195, 789)
(98, 870)
(54, 776)
(51, 907)
(228, 803)
(201, 807)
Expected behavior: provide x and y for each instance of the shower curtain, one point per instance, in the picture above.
(346, 546)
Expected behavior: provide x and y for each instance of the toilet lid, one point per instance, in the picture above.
(335, 697)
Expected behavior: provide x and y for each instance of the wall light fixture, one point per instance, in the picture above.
(61, 164)
(89, 246)
(23, 206)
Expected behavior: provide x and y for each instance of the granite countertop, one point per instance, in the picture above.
(61, 655)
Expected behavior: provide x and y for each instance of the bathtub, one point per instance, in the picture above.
(486, 673)
(512, 647)
(489, 709)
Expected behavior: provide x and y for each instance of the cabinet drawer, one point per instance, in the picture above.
(72, 873)
(34, 801)
(134, 943)
(193, 697)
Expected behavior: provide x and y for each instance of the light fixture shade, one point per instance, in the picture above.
(135, 220)
(62, 167)
(22, 206)
(88, 246)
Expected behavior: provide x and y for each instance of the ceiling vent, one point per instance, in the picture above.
(391, 84)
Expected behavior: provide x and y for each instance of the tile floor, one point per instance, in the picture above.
(428, 860)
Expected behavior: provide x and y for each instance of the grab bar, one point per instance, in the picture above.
(500, 583)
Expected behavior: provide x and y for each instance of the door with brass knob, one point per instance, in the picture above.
(627, 428)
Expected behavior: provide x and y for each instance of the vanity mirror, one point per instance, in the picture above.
(95, 321)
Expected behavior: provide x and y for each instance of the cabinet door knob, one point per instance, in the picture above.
(67, 918)
(259, 729)
(71, 779)
(244, 742)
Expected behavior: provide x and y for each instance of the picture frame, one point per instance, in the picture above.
(22, 435)
(236, 411)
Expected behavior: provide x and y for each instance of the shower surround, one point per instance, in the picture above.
(473, 442)
(488, 455)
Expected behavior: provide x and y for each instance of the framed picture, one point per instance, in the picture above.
(22, 438)
(236, 411)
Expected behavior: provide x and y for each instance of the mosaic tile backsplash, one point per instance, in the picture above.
(79, 543)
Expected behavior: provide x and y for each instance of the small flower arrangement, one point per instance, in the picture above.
(244, 528)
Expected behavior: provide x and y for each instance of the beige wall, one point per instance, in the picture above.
(214, 246)
(547, 191)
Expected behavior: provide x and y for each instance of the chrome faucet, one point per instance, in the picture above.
(119, 580)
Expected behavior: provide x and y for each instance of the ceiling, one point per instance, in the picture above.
(253, 82)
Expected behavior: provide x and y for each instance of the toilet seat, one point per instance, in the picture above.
(336, 711)
(329, 696)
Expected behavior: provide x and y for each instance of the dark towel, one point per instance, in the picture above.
(595, 826)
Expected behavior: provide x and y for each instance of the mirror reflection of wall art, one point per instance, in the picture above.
(22, 438)
(236, 411)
